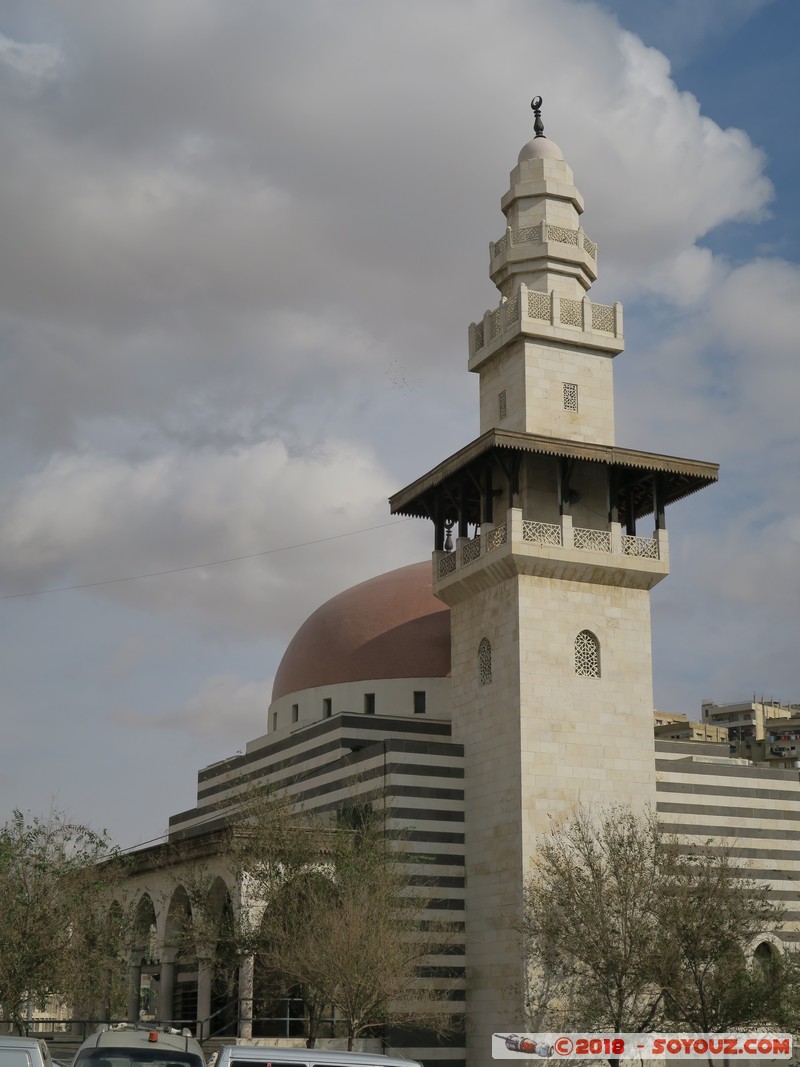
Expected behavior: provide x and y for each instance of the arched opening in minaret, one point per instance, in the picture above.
(485, 661)
(587, 655)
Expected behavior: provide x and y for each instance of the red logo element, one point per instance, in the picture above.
(563, 1046)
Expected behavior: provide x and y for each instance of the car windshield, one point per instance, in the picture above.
(116, 1056)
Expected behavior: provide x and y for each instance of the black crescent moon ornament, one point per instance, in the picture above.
(538, 125)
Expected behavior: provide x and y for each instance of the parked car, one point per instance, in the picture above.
(271, 1056)
(137, 1045)
(23, 1052)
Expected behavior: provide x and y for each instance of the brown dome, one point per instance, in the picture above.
(389, 627)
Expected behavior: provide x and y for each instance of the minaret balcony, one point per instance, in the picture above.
(555, 550)
(540, 249)
(546, 317)
(541, 234)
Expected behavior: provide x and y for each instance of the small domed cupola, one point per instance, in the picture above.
(544, 246)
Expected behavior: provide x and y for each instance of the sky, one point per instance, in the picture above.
(240, 248)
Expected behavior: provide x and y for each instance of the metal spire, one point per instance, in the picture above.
(538, 125)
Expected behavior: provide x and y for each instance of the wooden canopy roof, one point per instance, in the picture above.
(461, 476)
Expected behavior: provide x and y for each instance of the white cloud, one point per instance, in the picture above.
(686, 279)
(91, 518)
(35, 62)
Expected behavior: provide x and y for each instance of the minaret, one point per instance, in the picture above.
(549, 581)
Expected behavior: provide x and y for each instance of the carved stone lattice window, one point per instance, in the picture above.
(485, 661)
(587, 655)
(501, 403)
(570, 396)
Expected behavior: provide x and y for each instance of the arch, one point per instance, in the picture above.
(178, 929)
(766, 951)
(485, 661)
(587, 655)
(144, 938)
(223, 958)
(283, 1008)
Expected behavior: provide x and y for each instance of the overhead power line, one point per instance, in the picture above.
(198, 566)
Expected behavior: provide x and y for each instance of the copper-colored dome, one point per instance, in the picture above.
(389, 627)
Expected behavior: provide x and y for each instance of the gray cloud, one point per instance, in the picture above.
(241, 248)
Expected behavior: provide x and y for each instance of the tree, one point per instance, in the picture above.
(59, 933)
(713, 915)
(327, 912)
(630, 930)
(349, 933)
(590, 924)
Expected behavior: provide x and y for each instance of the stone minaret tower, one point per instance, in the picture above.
(548, 582)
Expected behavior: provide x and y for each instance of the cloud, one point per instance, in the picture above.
(226, 706)
(198, 254)
(94, 518)
(242, 245)
(34, 62)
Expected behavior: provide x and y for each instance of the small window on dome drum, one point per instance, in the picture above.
(327, 707)
(295, 712)
(274, 720)
(369, 703)
(419, 701)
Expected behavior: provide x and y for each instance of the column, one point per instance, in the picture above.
(166, 990)
(205, 971)
(134, 989)
(246, 985)
(567, 538)
(615, 529)
(514, 527)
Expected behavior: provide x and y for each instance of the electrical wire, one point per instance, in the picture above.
(198, 566)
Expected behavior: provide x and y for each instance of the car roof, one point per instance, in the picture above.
(313, 1055)
(133, 1036)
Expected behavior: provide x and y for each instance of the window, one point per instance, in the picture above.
(501, 401)
(587, 655)
(485, 661)
(570, 396)
(327, 707)
(295, 712)
(369, 703)
(419, 701)
(274, 720)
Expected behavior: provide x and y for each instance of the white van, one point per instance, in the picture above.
(23, 1052)
(269, 1056)
(137, 1045)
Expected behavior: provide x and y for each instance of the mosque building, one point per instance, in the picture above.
(508, 680)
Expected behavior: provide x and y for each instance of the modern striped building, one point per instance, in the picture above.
(752, 809)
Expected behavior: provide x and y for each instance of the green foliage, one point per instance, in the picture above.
(630, 930)
(58, 935)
